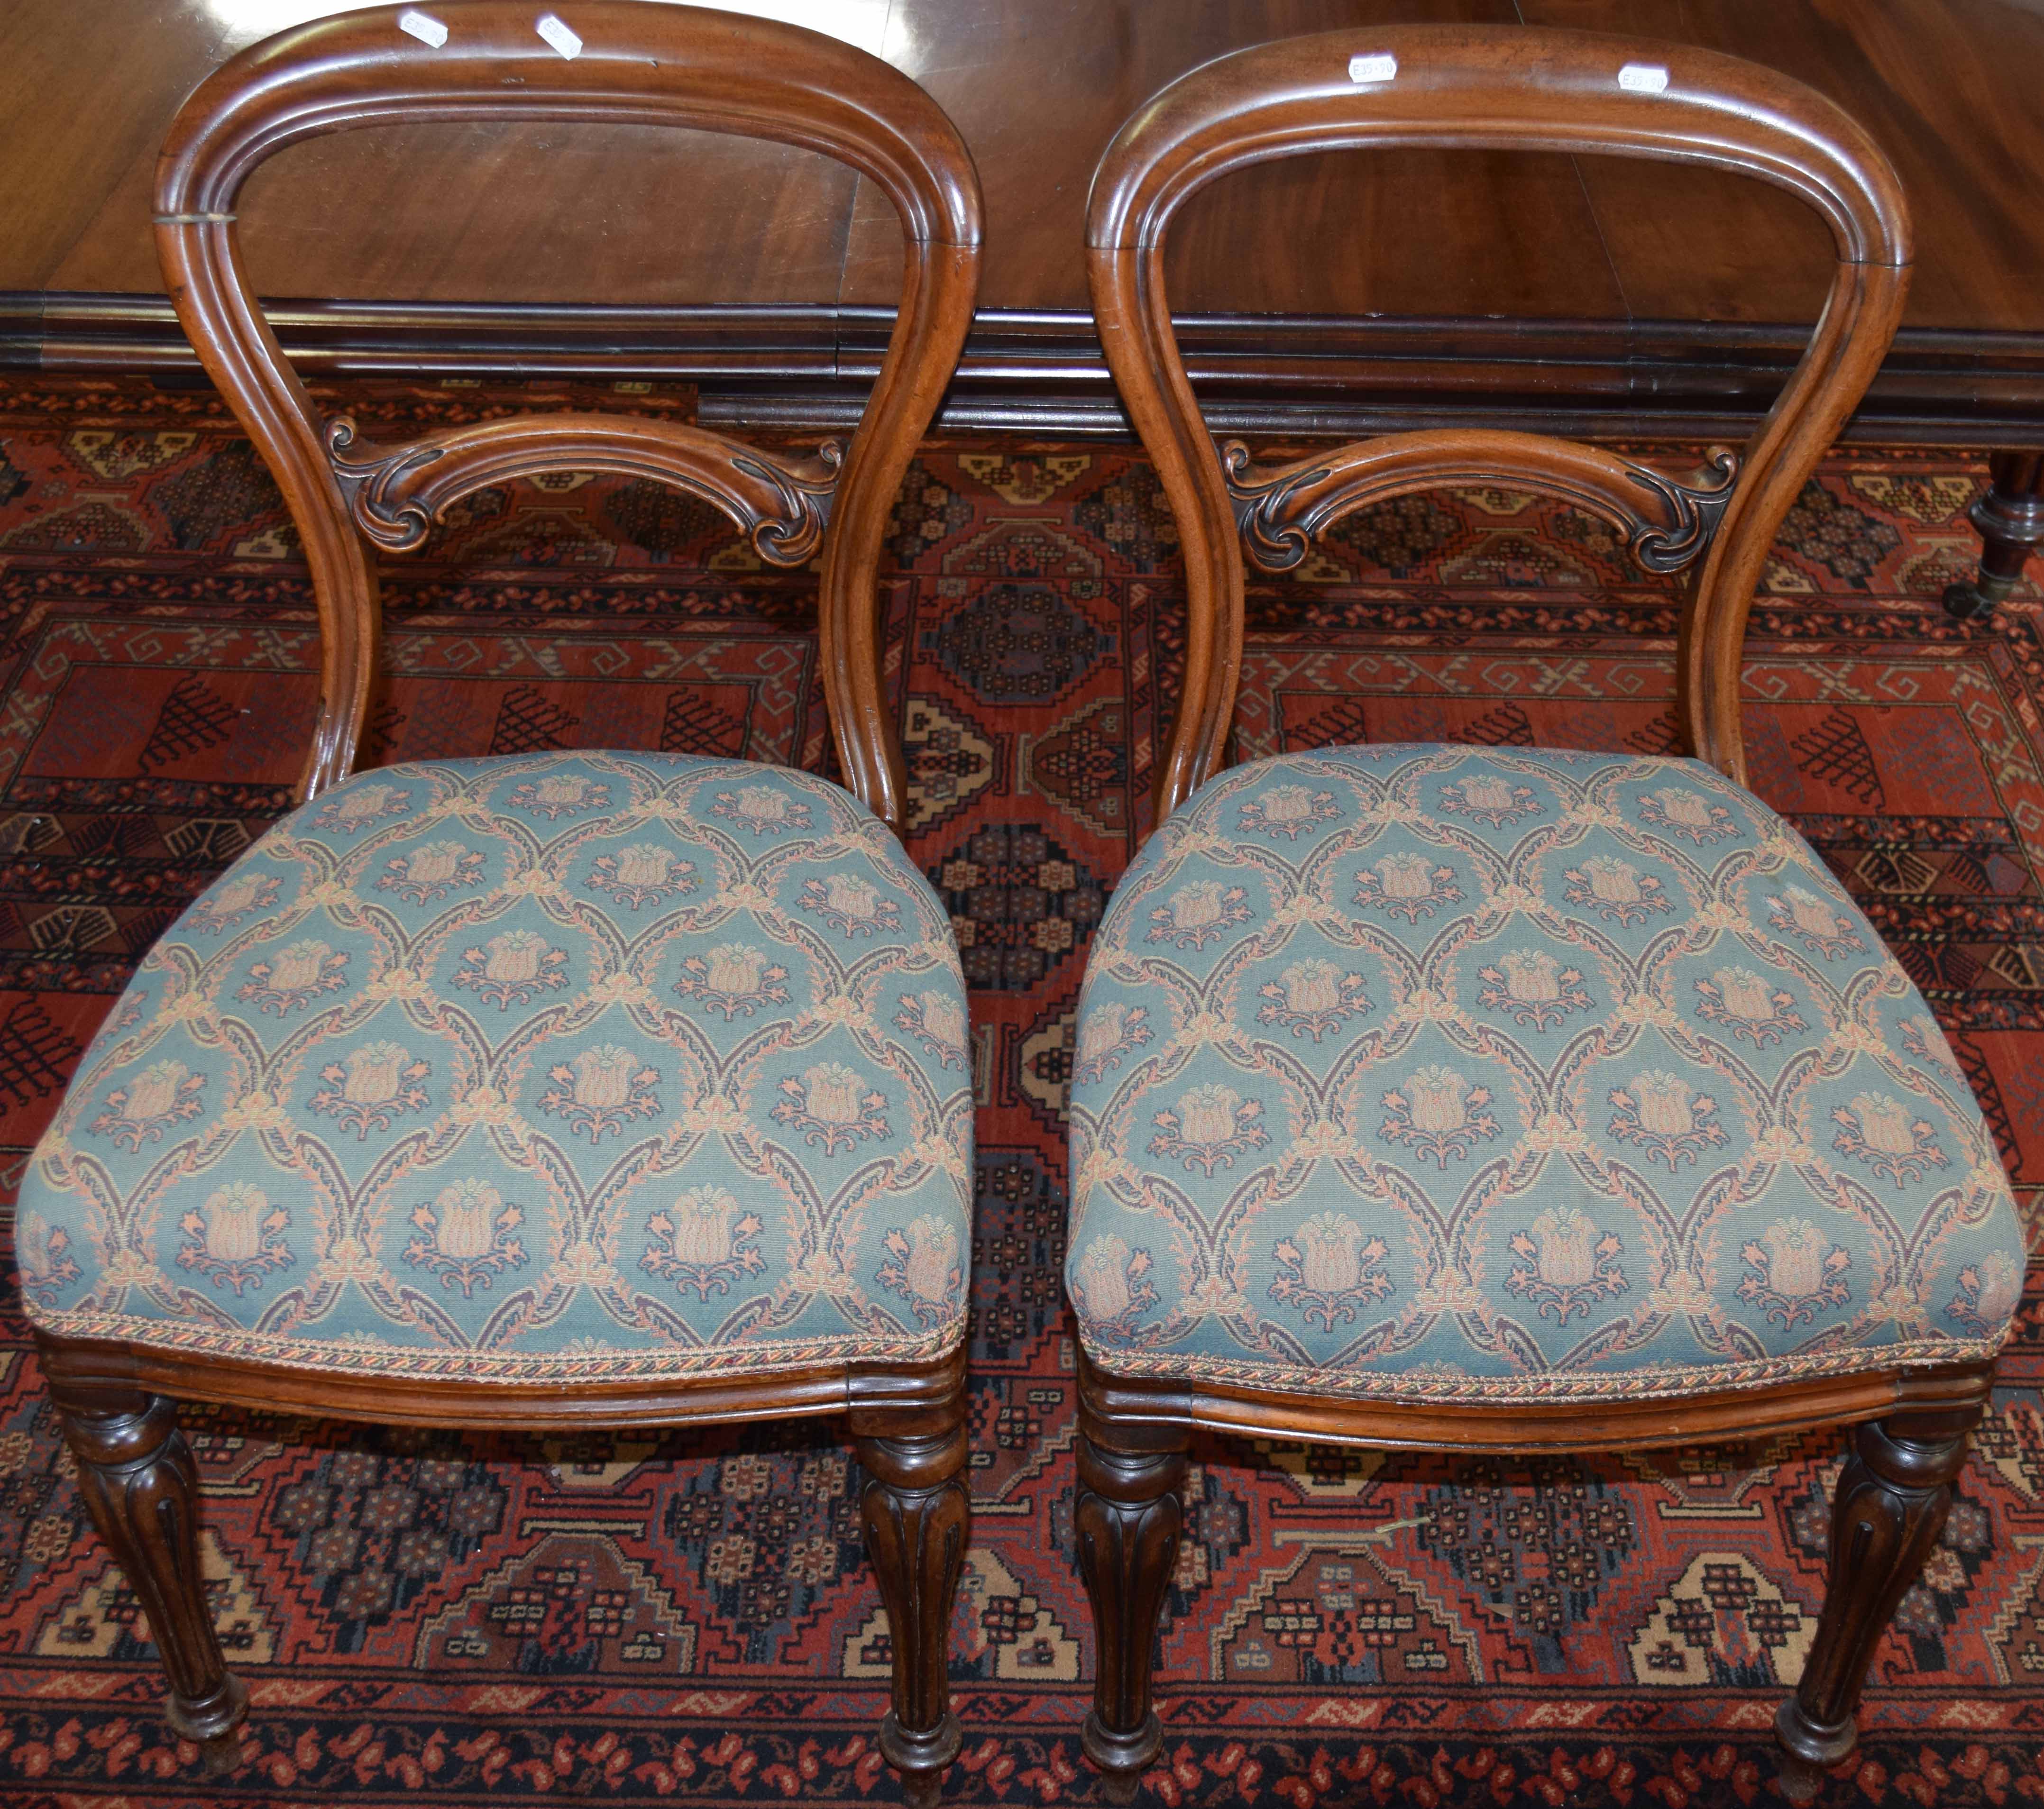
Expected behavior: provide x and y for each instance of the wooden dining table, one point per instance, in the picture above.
(1341, 294)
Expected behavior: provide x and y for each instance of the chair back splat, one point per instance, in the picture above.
(1507, 89)
(637, 64)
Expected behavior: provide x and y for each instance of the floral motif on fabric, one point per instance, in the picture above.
(1330, 1269)
(560, 794)
(761, 810)
(1664, 1115)
(925, 1267)
(734, 980)
(1407, 885)
(1616, 890)
(852, 905)
(1106, 1035)
(1567, 1262)
(466, 1235)
(235, 1238)
(1490, 798)
(1793, 1272)
(237, 898)
(1754, 1009)
(1210, 1127)
(513, 967)
(706, 1242)
(642, 874)
(1688, 815)
(294, 977)
(163, 1094)
(937, 1021)
(370, 1088)
(1312, 997)
(42, 1258)
(1817, 925)
(357, 807)
(600, 1091)
(832, 1107)
(431, 871)
(1533, 988)
(1889, 1138)
(1438, 1115)
(1198, 914)
(1288, 811)
(1111, 1284)
(1989, 1293)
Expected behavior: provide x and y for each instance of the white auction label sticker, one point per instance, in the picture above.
(557, 33)
(423, 26)
(1642, 77)
(1379, 67)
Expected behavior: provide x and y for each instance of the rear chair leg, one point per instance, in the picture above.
(1892, 1497)
(917, 1513)
(1129, 1521)
(141, 1487)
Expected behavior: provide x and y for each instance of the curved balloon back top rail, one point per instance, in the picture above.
(634, 62)
(1490, 88)
(1507, 88)
(618, 62)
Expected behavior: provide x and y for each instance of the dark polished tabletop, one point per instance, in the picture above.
(636, 216)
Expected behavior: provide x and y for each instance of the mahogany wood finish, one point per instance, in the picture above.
(2011, 521)
(666, 66)
(117, 1403)
(141, 1488)
(1667, 523)
(1890, 1505)
(1134, 1431)
(1554, 90)
(396, 494)
(646, 65)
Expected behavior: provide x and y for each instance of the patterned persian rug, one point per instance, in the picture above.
(431, 1617)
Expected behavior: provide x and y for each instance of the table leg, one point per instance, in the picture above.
(2011, 521)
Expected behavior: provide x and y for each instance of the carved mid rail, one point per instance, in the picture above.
(1667, 520)
(397, 493)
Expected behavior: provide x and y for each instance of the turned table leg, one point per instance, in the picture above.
(917, 1513)
(1128, 1520)
(1892, 1497)
(2011, 521)
(141, 1488)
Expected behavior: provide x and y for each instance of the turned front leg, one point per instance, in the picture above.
(2011, 521)
(1892, 1497)
(1129, 1521)
(141, 1488)
(917, 1514)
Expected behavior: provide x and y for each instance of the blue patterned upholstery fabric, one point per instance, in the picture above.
(1439, 1073)
(566, 1067)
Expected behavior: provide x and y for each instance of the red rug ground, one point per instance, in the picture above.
(429, 1617)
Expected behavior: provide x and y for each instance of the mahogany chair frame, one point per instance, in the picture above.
(659, 65)
(1511, 87)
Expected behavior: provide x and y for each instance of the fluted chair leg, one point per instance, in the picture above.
(917, 1513)
(1892, 1497)
(1129, 1521)
(141, 1488)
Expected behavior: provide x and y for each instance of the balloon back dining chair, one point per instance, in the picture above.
(1497, 1099)
(559, 1091)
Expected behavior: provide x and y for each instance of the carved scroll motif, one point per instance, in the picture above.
(1667, 521)
(397, 493)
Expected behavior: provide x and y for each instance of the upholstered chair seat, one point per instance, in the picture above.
(571, 1068)
(1461, 1074)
